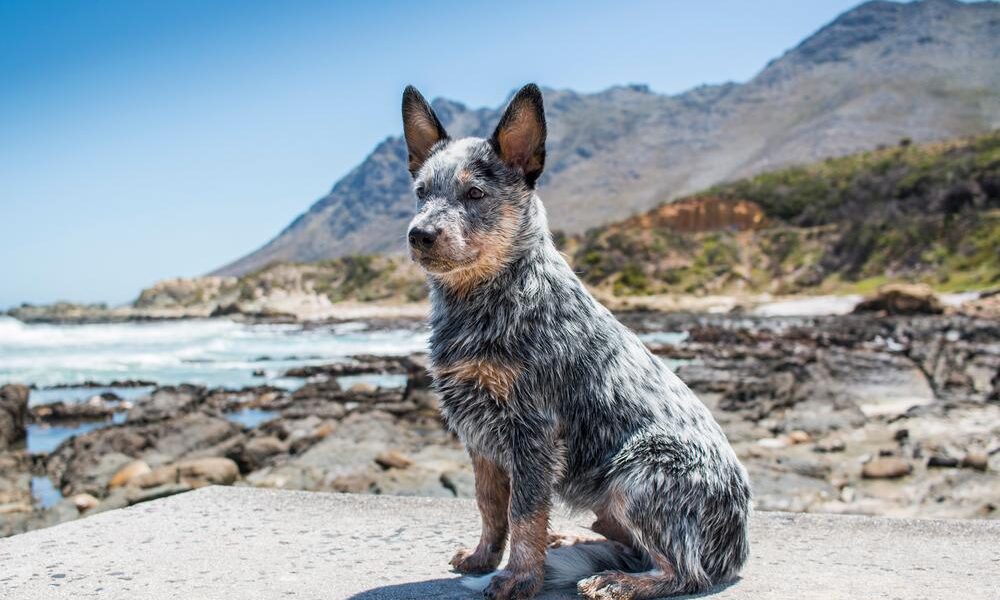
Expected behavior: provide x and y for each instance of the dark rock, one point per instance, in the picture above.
(95, 409)
(116, 383)
(902, 299)
(13, 414)
(948, 462)
(253, 454)
(166, 402)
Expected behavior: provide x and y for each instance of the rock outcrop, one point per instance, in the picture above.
(13, 414)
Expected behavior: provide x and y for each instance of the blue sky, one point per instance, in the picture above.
(141, 140)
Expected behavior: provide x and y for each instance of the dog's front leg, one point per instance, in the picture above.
(533, 464)
(493, 498)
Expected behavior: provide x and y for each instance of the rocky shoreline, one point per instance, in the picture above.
(201, 298)
(866, 414)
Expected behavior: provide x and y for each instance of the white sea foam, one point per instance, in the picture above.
(207, 351)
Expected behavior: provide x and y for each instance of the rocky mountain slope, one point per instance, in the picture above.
(878, 73)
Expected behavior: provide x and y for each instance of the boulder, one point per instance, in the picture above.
(13, 414)
(363, 387)
(84, 502)
(135, 495)
(355, 483)
(15, 478)
(797, 436)
(831, 443)
(196, 432)
(92, 476)
(289, 477)
(393, 459)
(128, 473)
(976, 460)
(208, 471)
(902, 299)
(155, 477)
(166, 402)
(192, 473)
(253, 454)
(411, 482)
(886, 467)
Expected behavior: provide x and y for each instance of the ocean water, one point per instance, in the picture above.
(212, 352)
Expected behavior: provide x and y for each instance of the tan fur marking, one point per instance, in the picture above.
(494, 252)
(496, 378)
(528, 542)
(493, 497)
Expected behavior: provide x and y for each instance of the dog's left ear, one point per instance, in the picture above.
(519, 138)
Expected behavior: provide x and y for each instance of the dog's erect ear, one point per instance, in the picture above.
(421, 128)
(520, 136)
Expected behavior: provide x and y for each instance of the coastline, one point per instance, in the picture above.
(855, 413)
(312, 309)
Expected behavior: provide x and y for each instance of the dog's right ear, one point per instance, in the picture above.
(421, 128)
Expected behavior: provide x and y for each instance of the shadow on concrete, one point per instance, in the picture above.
(451, 589)
(446, 589)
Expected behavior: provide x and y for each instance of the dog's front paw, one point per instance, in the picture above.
(514, 585)
(475, 561)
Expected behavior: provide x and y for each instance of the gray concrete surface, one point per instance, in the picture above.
(243, 543)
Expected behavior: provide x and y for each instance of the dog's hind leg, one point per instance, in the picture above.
(610, 526)
(662, 524)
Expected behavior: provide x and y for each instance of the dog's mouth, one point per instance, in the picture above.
(438, 264)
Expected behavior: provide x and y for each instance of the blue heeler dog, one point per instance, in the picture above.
(550, 393)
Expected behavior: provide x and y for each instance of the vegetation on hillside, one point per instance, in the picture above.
(927, 213)
(362, 278)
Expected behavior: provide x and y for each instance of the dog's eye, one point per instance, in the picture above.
(474, 193)
(421, 191)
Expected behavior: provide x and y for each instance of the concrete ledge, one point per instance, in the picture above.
(235, 543)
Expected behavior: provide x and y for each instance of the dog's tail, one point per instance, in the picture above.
(567, 565)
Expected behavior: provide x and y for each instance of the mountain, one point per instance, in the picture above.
(878, 73)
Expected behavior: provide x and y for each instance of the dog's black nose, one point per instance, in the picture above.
(422, 239)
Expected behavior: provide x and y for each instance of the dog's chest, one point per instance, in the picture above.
(478, 387)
